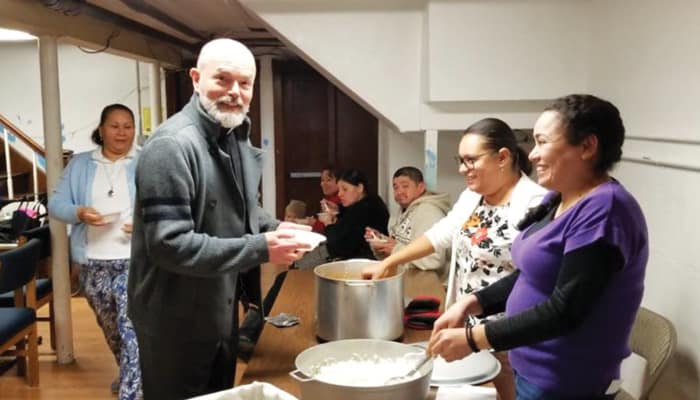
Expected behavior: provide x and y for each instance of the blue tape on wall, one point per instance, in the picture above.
(430, 166)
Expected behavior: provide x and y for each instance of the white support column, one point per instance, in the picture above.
(430, 159)
(384, 174)
(139, 104)
(156, 110)
(51, 108)
(35, 176)
(8, 166)
(267, 134)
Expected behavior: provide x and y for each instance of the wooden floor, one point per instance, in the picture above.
(89, 378)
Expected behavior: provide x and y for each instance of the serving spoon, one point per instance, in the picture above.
(399, 378)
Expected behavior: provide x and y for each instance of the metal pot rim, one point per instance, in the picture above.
(319, 268)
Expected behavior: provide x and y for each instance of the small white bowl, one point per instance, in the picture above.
(313, 239)
(111, 217)
(325, 217)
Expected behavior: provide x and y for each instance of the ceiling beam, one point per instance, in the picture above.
(121, 39)
(142, 7)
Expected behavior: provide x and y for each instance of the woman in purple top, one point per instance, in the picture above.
(581, 259)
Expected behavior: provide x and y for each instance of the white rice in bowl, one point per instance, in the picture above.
(366, 371)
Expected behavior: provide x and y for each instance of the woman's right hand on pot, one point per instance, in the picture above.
(90, 216)
(379, 271)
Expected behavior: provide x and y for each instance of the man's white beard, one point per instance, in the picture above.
(227, 119)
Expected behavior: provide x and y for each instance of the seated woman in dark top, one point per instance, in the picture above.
(345, 231)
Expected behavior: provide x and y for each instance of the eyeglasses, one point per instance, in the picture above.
(469, 161)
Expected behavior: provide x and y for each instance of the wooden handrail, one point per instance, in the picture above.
(23, 136)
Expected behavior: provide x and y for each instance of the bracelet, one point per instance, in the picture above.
(470, 339)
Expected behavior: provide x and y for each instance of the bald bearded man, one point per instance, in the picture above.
(197, 229)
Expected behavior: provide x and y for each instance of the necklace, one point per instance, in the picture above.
(110, 192)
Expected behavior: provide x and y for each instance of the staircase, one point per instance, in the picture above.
(22, 165)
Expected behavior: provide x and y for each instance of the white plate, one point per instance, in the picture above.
(475, 369)
(313, 239)
(111, 217)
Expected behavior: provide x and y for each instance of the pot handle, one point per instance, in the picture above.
(366, 283)
(298, 375)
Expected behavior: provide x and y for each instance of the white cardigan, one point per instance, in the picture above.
(526, 194)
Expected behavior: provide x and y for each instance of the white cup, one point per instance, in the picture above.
(325, 217)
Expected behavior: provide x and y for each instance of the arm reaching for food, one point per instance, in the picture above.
(418, 248)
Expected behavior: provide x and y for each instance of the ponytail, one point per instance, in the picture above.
(522, 160)
(97, 138)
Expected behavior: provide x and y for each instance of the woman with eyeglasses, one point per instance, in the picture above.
(481, 226)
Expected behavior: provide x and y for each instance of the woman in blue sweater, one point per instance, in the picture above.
(96, 197)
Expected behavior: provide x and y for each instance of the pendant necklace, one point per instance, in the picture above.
(110, 192)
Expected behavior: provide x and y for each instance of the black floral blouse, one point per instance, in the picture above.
(483, 249)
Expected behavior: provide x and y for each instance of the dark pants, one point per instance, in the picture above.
(173, 370)
(252, 324)
(525, 390)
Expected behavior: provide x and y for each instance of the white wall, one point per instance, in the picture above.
(399, 58)
(369, 49)
(449, 179)
(20, 99)
(506, 49)
(406, 149)
(647, 59)
(648, 63)
(87, 82)
(396, 150)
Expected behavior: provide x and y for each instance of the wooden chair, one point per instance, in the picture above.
(18, 333)
(44, 285)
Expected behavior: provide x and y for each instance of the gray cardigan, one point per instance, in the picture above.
(190, 239)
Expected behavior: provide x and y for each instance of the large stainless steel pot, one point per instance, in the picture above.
(348, 307)
(308, 360)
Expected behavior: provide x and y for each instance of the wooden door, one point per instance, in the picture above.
(317, 125)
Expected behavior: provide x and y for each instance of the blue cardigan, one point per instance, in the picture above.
(74, 190)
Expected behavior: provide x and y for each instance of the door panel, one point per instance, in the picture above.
(317, 125)
(356, 138)
(305, 132)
